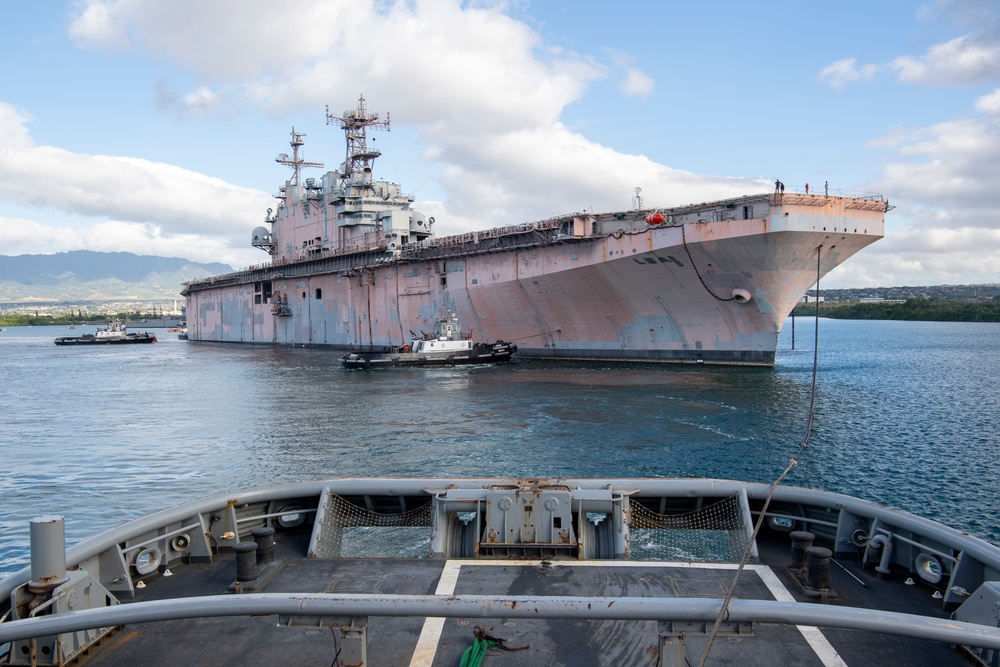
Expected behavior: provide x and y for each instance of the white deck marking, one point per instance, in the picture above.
(817, 641)
(430, 635)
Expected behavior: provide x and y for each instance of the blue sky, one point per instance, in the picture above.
(151, 127)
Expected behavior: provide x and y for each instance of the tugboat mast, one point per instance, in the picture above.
(295, 162)
(355, 123)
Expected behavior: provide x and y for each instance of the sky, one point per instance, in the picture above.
(151, 127)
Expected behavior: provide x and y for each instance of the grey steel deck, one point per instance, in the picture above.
(594, 545)
(395, 641)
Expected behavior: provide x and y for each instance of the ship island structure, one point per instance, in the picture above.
(354, 267)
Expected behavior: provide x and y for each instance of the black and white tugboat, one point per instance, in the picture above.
(114, 334)
(448, 346)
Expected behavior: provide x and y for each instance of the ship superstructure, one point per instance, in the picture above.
(354, 267)
(345, 211)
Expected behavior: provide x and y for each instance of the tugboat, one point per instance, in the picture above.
(447, 347)
(113, 334)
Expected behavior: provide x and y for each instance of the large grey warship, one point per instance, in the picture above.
(352, 266)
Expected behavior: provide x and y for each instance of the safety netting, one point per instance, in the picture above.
(716, 532)
(357, 532)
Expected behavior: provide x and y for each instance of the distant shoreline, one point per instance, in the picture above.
(919, 310)
(131, 319)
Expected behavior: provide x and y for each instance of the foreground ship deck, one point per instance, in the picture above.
(582, 572)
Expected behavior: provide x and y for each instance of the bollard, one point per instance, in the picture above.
(48, 553)
(246, 561)
(818, 567)
(801, 540)
(264, 537)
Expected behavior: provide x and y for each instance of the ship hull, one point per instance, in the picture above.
(712, 292)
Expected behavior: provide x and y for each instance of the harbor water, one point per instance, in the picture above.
(906, 413)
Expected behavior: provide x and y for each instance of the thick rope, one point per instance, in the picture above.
(695, 267)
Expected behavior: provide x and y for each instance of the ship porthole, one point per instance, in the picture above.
(290, 517)
(147, 560)
(929, 568)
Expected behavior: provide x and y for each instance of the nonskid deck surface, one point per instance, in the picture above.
(441, 642)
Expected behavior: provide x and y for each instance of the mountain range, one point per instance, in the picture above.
(83, 275)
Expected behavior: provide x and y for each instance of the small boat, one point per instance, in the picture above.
(183, 335)
(114, 334)
(176, 329)
(447, 347)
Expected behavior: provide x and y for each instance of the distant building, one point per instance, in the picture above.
(880, 300)
(811, 299)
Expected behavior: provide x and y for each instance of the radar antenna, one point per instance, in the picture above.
(637, 199)
(354, 124)
(295, 162)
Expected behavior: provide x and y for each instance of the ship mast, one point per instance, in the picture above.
(354, 123)
(296, 162)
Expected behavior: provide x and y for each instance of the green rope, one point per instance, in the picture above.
(473, 656)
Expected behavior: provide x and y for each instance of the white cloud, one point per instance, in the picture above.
(24, 237)
(965, 59)
(97, 25)
(14, 134)
(485, 91)
(946, 228)
(224, 41)
(637, 83)
(950, 165)
(566, 173)
(130, 202)
(842, 72)
(918, 256)
(969, 59)
(487, 96)
(989, 104)
(472, 63)
(30, 237)
(202, 99)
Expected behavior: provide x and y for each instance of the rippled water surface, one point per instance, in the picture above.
(907, 414)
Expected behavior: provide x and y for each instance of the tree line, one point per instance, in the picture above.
(928, 310)
(74, 317)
